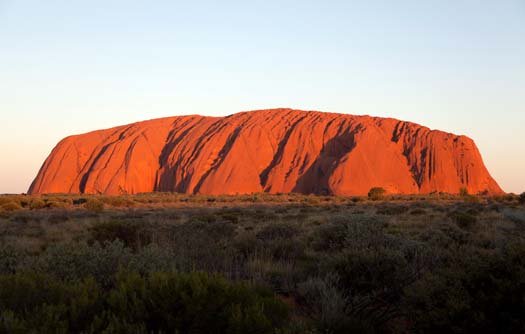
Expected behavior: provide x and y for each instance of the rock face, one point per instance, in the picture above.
(278, 150)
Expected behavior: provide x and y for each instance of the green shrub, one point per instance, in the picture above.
(369, 270)
(202, 246)
(79, 201)
(472, 199)
(476, 294)
(347, 232)
(75, 261)
(11, 206)
(376, 193)
(57, 218)
(329, 237)
(118, 201)
(54, 204)
(277, 231)
(356, 199)
(463, 192)
(41, 304)
(465, 220)
(94, 205)
(131, 233)
(36, 204)
(204, 217)
(330, 307)
(157, 303)
(199, 303)
(517, 216)
(211, 232)
(230, 216)
(153, 258)
(509, 198)
(247, 245)
(284, 249)
(418, 212)
(10, 259)
(5, 199)
(392, 210)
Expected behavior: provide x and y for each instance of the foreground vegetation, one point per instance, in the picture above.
(165, 263)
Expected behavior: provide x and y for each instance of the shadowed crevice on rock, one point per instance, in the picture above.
(165, 179)
(279, 154)
(220, 157)
(315, 179)
(85, 177)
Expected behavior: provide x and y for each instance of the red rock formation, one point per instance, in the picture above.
(280, 150)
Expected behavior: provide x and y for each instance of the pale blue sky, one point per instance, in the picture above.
(72, 66)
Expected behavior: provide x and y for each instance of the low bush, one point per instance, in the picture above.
(516, 216)
(5, 199)
(366, 270)
(329, 237)
(118, 201)
(156, 303)
(58, 217)
(476, 294)
(418, 212)
(10, 259)
(464, 220)
(392, 210)
(37, 204)
(131, 233)
(346, 232)
(205, 217)
(11, 206)
(285, 249)
(329, 306)
(79, 201)
(230, 216)
(55, 204)
(202, 246)
(357, 199)
(463, 192)
(522, 198)
(376, 193)
(472, 199)
(94, 205)
(75, 261)
(277, 231)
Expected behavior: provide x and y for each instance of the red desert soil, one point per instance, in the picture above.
(279, 150)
